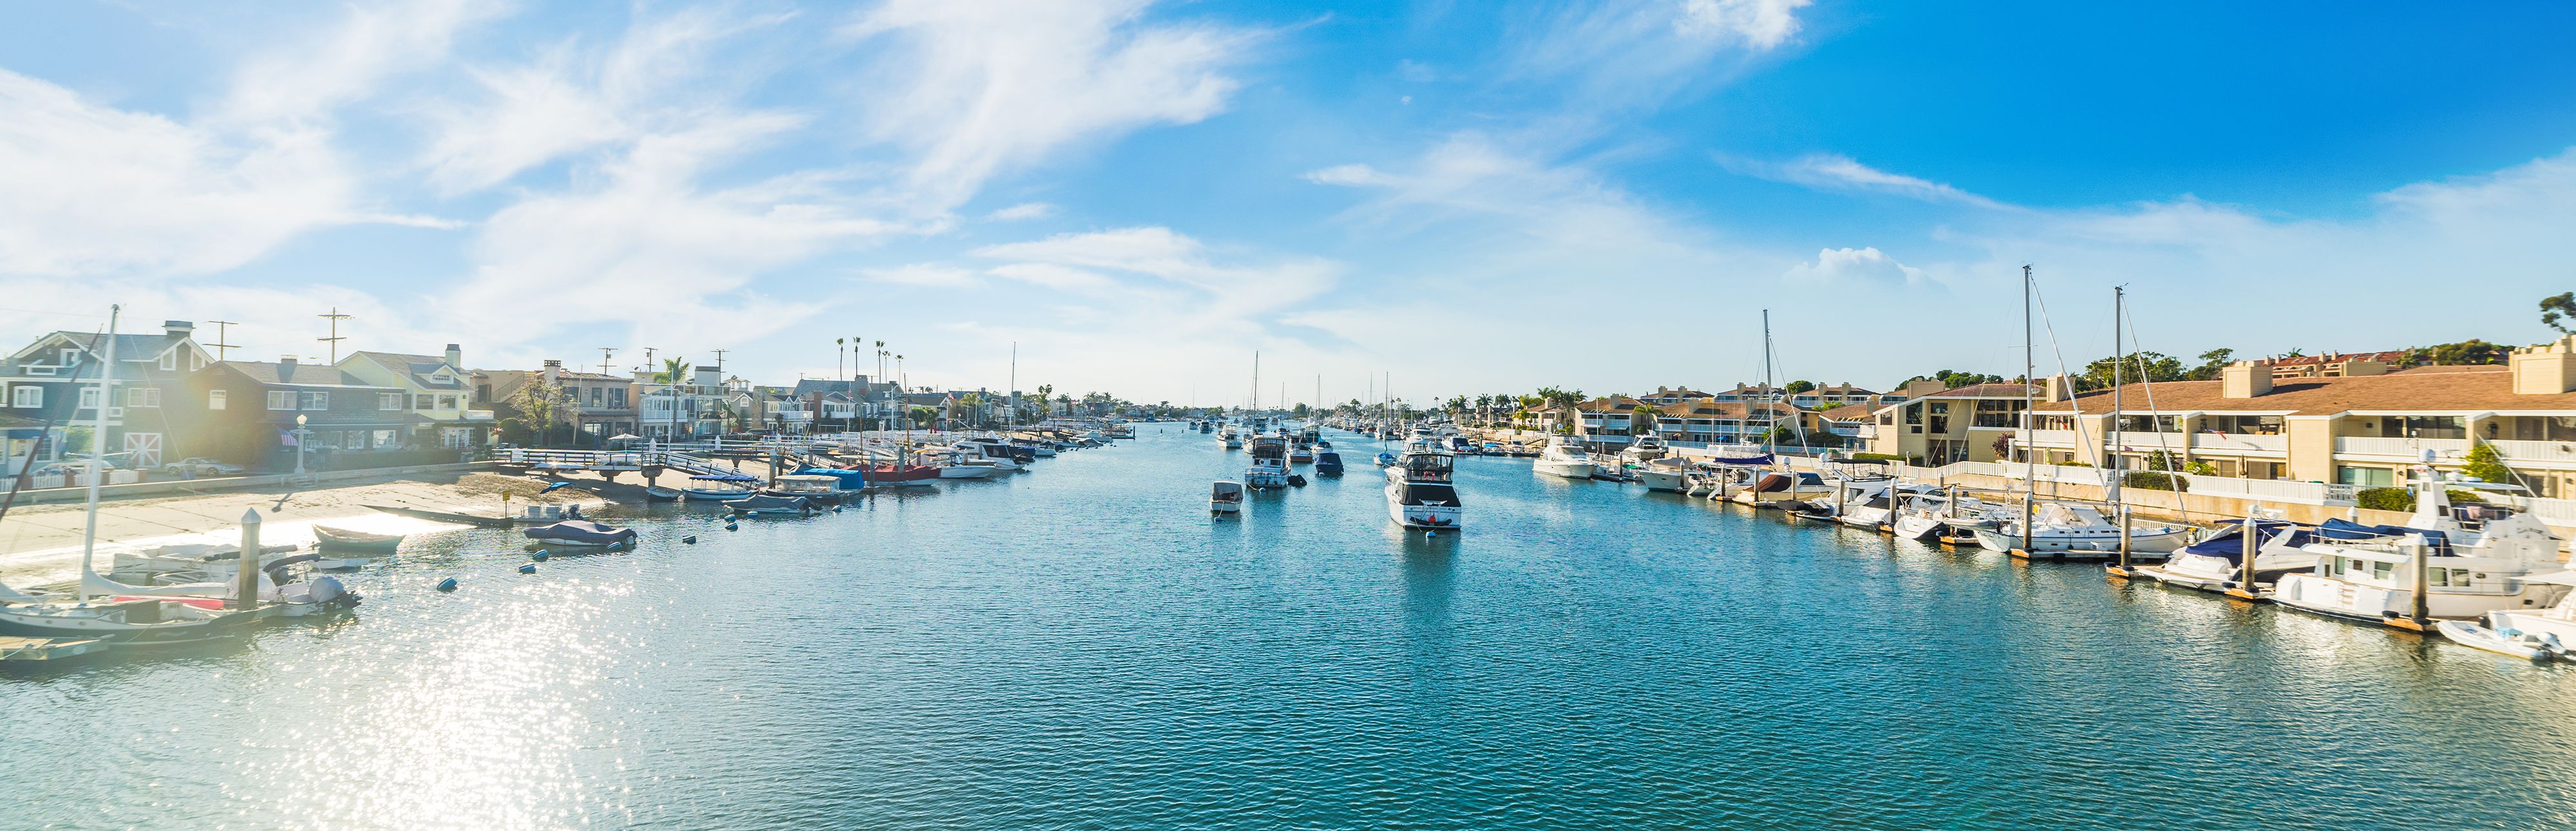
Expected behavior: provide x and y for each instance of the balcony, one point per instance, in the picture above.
(2537, 452)
(2238, 443)
(2399, 449)
(2052, 438)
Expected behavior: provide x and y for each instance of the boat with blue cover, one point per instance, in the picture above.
(580, 532)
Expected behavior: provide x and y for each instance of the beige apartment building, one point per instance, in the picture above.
(2364, 426)
(1935, 426)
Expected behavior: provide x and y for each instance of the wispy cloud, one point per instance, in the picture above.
(1854, 266)
(1024, 210)
(1827, 171)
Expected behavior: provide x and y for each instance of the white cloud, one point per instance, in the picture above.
(977, 89)
(1826, 171)
(296, 82)
(1864, 266)
(1761, 24)
(1024, 210)
(922, 274)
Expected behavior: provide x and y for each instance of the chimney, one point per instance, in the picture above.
(2547, 369)
(2056, 388)
(2245, 379)
(554, 371)
(286, 368)
(178, 328)
(455, 357)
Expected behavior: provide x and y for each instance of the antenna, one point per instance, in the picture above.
(334, 340)
(605, 353)
(719, 359)
(222, 328)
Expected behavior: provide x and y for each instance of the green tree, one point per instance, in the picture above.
(2469, 352)
(2210, 363)
(2143, 366)
(2486, 464)
(1798, 386)
(1642, 418)
(1954, 379)
(2559, 310)
(542, 404)
(924, 416)
(967, 405)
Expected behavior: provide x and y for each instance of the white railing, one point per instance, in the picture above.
(2400, 448)
(2239, 442)
(2536, 451)
(2271, 490)
(2052, 438)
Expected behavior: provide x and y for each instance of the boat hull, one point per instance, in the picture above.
(2157, 542)
(1569, 470)
(2336, 598)
(1661, 480)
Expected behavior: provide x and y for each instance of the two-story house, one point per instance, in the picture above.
(247, 412)
(442, 411)
(55, 380)
(599, 406)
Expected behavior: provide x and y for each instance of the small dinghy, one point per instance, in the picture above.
(354, 542)
(580, 532)
(772, 504)
(657, 493)
(2512, 642)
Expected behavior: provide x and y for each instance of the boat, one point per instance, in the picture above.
(476, 520)
(897, 474)
(1768, 488)
(1269, 463)
(354, 542)
(2552, 628)
(1932, 515)
(1663, 473)
(718, 487)
(580, 532)
(1419, 490)
(1385, 459)
(2061, 528)
(2217, 563)
(657, 493)
(2471, 560)
(1225, 497)
(1564, 458)
(1872, 503)
(1300, 453)
(1328, 463)
(2529, 646)
(1645, 448)
(815, 488)
(767, 503)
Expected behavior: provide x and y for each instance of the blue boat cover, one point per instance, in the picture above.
(1763, 459)
(850, 479)
(581, 531)
(724, 477)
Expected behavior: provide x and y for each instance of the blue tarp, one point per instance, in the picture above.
(724, 477)
(1763, 459)
(850, 479)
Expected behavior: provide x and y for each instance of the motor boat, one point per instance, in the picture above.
(2063, 528)
(2475, 560)
(1328, 463)
(1419, 490)
(1769, 488)
(1872, 503)
(1565, 458)
(657, 493)
(1645, 448)
(718, 487)
(1663, 473)
(774, 504)
(1931, 515)
(2217, 563)
(1385, 459)
(580, 532)
(817, 488)
(1225, 497)
(1269, 463)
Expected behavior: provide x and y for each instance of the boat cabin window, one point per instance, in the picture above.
(2380, 570)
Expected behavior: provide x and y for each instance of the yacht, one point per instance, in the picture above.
(1930, 515)
(1664, 473)
(1565, 458)
(2061, 527)
(2217, 564)
(1419, 493)
(2524, 633)
(1872, 503)
(1269, 463)
(1767, 488)
(1225, 497)
(1645, 448)
(2474, 559)
(1230, 438)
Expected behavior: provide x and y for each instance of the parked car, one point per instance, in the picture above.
(202, 466)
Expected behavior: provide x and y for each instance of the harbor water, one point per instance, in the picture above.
(1083, 647)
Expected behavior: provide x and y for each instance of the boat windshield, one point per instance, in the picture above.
(1429, 467)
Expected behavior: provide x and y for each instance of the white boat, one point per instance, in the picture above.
(1225, 497)
(2529, 646)
(2474, 560)
(1770, 487)
(2217, 563)
(1269, 463)
(1564, 458)
(2063, 528)
(1419, 491)
(1871, 503)
(1665, 473)
(1643, 449)
(1229, 438)
(713, 487)
(1930, 515)
(2554, 626)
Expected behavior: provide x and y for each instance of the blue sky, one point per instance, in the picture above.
(1476, 197)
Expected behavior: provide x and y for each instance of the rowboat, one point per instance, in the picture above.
(476, 520)
(355, 542)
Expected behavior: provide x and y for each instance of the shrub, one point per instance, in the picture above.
(2459, 497)
(1877, 457)
(2385, 499)
(2155, 481)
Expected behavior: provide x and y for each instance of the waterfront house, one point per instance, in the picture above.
(597, 406)
(2364, 428)
(1973, 423)
(1712, 421)
(245, 412)
(443, 407)
(693, 409)
(54, 379)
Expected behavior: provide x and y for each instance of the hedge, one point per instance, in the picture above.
(2156, 481)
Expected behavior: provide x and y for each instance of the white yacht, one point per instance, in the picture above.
(1229, 438)
(1225, 497)
(1928, 515)
(1666, 473)
(1269, 463)
(2218, 563)
(2524, 633)
(1767, 487)
(1419, 492)
(2061, 527)
(2474, 559)
(1872, 503)
(1565, 458)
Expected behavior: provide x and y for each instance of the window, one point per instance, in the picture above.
(27, 395)
(617, 398)
(215, 399)
(389, 401)
(313, 401)
(143, 397)
(447, 402)
(281, 400)
(88, 397)
(70, 356)
(387, 438)
(598, 395)
(454, 437)
(424, 402)
(170, 360)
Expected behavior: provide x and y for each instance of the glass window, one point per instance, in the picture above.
(617, 397)
(170, 360)
(215, 399)
(281, 399)
(424, 402)
(27, 395)
(88, 397)
(2368, 477)
(313, 401)
(447, 402)
(389, 401)
(143, 397)
(386, 438)
(2381, 570)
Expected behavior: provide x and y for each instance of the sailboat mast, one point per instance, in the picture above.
(1771, 424)
(2119, 356)
(98, 455)
(1256, 380)
(2029, 419)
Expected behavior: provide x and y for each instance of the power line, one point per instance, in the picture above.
(334, 340)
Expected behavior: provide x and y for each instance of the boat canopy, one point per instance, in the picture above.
(2229, 543)
(1763, 459)
(724, 477)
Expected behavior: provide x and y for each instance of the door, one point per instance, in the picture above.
(143, 450)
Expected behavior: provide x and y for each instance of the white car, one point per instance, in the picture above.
(203, 467)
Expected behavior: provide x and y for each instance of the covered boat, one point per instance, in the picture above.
(719, 486)
(354, 542)
(2218, 563)
(580, 532)
(770, 503)
(1225, 497)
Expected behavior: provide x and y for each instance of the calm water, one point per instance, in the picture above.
(1081, 647)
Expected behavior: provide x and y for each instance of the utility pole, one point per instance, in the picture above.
(605, 353)
(720, 360)
(223, 329)
(334, 340)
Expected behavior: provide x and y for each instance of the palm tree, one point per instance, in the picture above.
(675, 371)
(1641, 419)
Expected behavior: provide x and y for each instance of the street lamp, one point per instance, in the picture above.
(300, 434)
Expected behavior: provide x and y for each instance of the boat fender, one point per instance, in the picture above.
(447, 585)
(527, 568)
(689, 540)
(540, 556)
